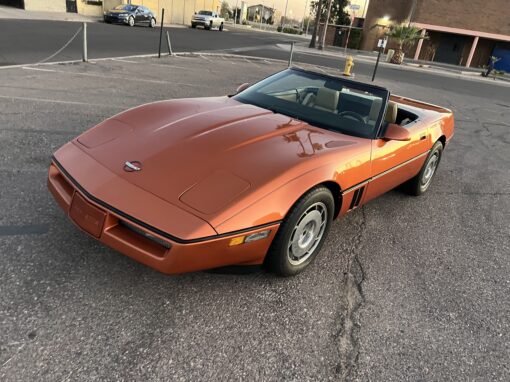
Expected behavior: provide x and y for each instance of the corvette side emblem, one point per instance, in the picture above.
(132, 166)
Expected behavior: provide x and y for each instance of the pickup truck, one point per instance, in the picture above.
(208, 20)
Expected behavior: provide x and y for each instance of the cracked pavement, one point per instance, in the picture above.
(404, 289)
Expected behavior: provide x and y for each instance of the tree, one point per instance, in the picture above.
(225, 11)
(236, 14)
(337, 16)
(318, 14)
(404, 36)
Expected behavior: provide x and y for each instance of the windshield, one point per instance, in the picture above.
(331, 103)
(205, 13)
(126, 7)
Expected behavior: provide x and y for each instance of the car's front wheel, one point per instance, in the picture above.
(301, 235)
(131, 21)
(193, 25)
(421, 182)
(152, 23)
(221, 27)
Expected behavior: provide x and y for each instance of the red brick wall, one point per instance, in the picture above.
(491, 16)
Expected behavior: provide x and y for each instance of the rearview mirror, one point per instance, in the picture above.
(242, 87)
(396, 132)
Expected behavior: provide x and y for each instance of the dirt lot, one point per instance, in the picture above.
(405, 288)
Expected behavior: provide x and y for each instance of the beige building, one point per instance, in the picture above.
(176, 11)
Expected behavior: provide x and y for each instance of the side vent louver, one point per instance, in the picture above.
(356, 198)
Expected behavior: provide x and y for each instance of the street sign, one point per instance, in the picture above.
(354, 7)
(382, 43)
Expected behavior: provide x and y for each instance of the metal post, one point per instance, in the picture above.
(161, 31)
(377, 63)
(169, 44)
(291, 53)
(85, 53)
(348, 35)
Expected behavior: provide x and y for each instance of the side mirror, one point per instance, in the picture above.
(242, 87)
(195, 13)
(396, 132)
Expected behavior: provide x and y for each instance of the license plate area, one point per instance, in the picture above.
(88, 217)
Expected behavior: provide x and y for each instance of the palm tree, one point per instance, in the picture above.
(403, 35)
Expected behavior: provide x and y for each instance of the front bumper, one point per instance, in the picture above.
(132, 237)
(115, 19)
(202, 23)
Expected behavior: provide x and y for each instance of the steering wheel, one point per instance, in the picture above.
(352, 115)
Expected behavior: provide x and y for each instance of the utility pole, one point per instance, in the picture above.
(322, 38)
(316, 26)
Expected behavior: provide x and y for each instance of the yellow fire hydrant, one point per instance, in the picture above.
(349, 64)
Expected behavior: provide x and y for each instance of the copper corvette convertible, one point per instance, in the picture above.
(255, 178)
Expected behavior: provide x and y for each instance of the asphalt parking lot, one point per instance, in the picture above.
(404, 289)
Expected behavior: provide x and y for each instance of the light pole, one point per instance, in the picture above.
(235, 13)
(284, 14)
(260, 15)
(304, 14)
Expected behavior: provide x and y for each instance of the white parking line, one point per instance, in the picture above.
(121, 60)
(61, 101)
(110, 77)
(38, 69)
(205, 58)
(251, 62)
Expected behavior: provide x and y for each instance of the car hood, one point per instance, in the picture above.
(204, 154)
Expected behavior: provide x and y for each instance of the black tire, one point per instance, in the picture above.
(221, 27)
(193, 25)
(278, 258)
(152, 23)
(421, 182)
(131, 21)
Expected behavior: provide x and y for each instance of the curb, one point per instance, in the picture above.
(257, 58)
(408, 67)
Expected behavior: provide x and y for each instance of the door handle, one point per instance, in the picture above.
(422, 137)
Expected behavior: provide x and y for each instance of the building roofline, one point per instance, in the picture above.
(467, 32)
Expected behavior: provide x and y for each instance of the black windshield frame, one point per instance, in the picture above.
(378, 91)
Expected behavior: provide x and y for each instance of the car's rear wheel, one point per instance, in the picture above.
(152, 23)
(131, 21)
(301, 235)
(193, 25)
(221, 27)
(421, 182)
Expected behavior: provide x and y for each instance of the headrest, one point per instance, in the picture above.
(391, 112)
(375, 109)
(327, 99)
